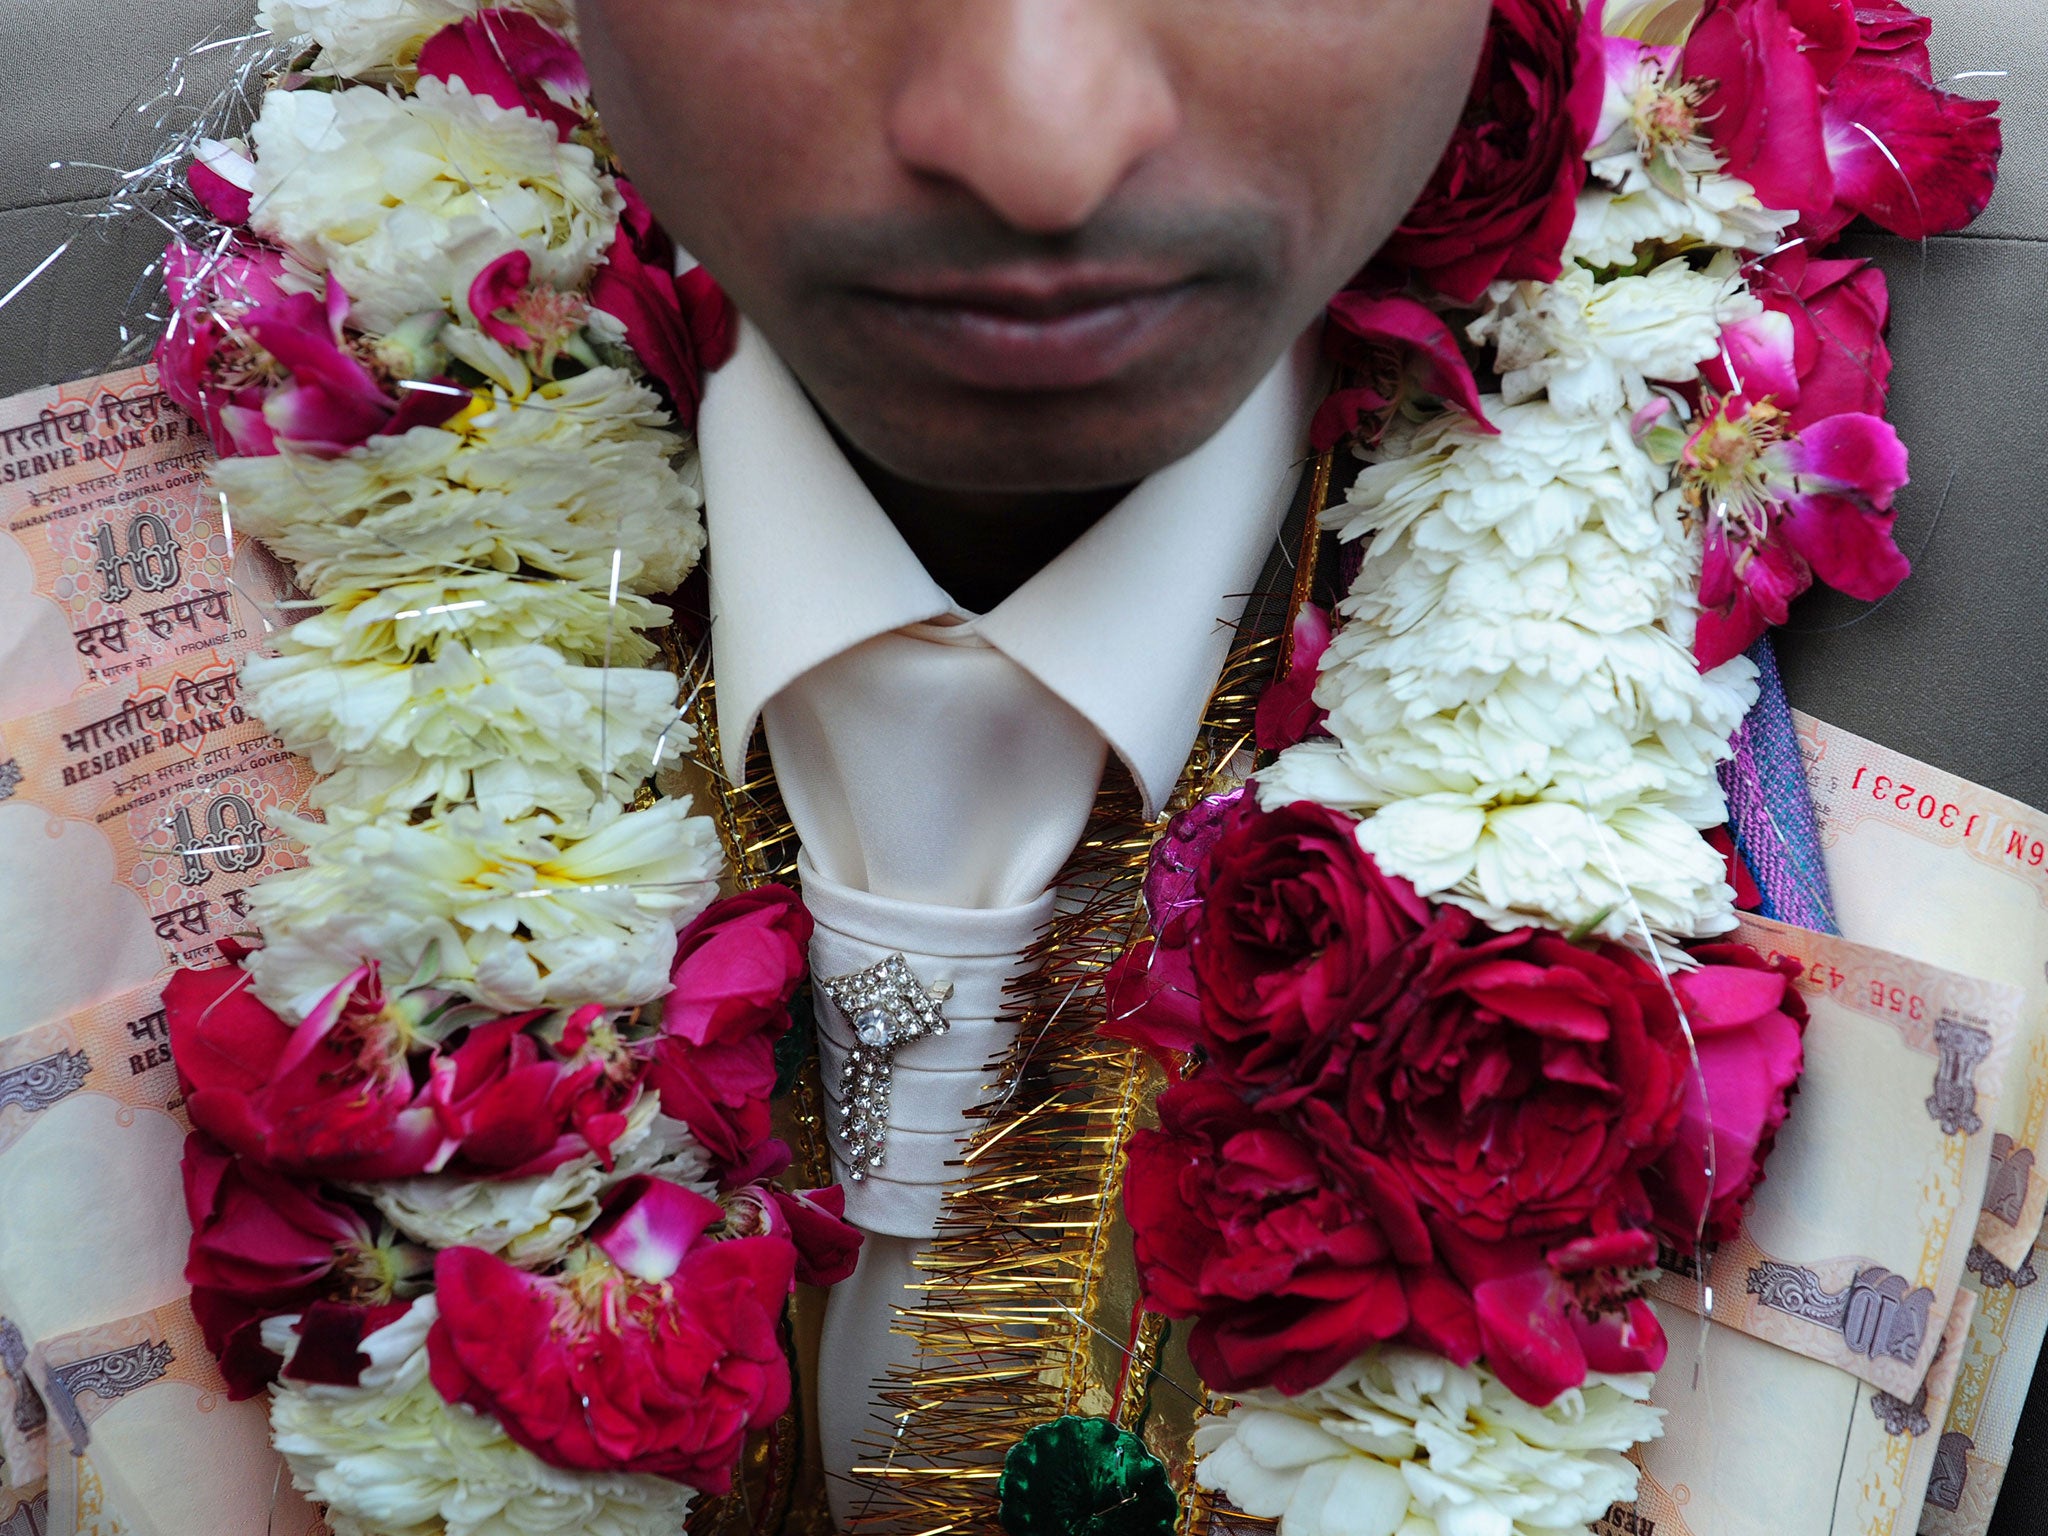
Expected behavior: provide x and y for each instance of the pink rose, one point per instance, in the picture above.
(737, 967)
(203, 359)
(1287, 711)
(1150, 1000)
(1818, 349)
(722, 1093)
(680, 328)
(1546, 1319)
(515, 60)
(1747, 1021)
(1501, 202)
(1402, 351)
(658, 1357)
(1763, 111)
(259, 1234)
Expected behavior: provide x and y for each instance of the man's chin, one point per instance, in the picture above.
(1023, 444)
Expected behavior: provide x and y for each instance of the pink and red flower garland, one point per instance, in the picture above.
(1396, 1123)
(655, 1345)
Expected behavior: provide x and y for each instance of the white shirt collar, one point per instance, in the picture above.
(1130, 625)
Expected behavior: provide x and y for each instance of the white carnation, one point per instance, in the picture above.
(1405, 1442)
(1610, 227)
(533, 1222)
(357, 37)
(405, 200)
(518, 727)
(392, 1457)
(1535, 481)
(520, 914)
(483, 610)
(1593, 347)
(1513, 698)
(573, 480)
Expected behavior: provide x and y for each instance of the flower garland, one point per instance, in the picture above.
(1459, 1049)
(480, 1180)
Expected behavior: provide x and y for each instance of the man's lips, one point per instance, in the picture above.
(1028, 332)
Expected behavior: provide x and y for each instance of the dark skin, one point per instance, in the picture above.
(1024, 253)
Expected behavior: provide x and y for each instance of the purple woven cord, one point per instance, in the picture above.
(1770, 811)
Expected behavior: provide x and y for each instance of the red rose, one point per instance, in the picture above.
(1289, 1268)
(680, 328)
(1300, 942)
(259, 1234)
(661, 1363)
(332, 1098)
(1546, 1319)
(814, 1221)
(1149, 999)
(737, 966)
(515, 1110)
(1747, 1021)
(1529, 1088)
(1501, 202)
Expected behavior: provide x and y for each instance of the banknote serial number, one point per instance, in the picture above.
(1885, 997)
(1946, 814)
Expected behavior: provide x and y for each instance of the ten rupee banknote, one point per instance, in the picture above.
(1853, 1250)
(132, 823)
(115, 554)
(1935, 867)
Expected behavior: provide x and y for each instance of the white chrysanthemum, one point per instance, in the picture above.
(1593, 347)
(573, 480)
(520, 914)
(392, 1457)
(534, 1222)
(404, 200)
(518, 728)
(362, 37)
(480, 609)
(1405, 1442)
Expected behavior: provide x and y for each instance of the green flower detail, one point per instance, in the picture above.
(1085, 1477)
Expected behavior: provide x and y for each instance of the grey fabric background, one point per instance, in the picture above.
(1949, 670)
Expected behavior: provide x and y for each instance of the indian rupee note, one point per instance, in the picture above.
(143, 1398)
(25, 1511)
(1762, 1441)
(91, 1131)
(115, 554)
(1932, 866)
(24, 1431)
(1991, 1390)
(132, 823)
(1853, 1250)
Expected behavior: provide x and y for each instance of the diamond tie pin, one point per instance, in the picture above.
(887, 1006)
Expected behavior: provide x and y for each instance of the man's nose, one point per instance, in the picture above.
(1040, 108)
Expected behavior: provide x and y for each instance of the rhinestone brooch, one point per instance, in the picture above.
(887, 1006)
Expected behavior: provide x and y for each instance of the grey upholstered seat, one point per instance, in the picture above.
(1951, 670)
